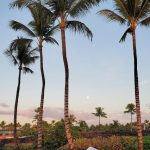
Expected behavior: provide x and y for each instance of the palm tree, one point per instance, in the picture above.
(64, 9)
(41, 28)
(3, 125)
(100, 113)
(22, 55)
(146, 124)
(132, 13)
(130, 108)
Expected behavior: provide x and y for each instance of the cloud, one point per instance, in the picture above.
(3, 105)
(54, 113)
(49, 112)
(4, 112)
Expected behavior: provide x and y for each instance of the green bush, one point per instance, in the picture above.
(110, 143)
(22, 147)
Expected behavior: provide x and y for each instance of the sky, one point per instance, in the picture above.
(101, 71)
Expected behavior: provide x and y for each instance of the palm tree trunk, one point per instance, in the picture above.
(99, 121)
(66, 92)
(131, 122)
(137, 99)
(16, 109)
(40, 117)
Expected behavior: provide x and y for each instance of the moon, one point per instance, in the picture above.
(87, 97)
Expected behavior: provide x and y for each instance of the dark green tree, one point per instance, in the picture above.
(130, 108)
(3, 125)
(132, 13)
(22, 55)
(100, 113)
(83, 125)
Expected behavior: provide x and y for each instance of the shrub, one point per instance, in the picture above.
(110, 143)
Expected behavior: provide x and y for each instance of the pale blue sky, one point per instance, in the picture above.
(101, 71)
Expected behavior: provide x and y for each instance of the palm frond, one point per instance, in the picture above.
(81, 7)
(112, 16)
(50, 40)
(55, 6)
(27, 70)
(33, 52)
(19, 26)
(43, 7)
(52, 30)
(145, 22)
(19, 3)
(9, 54)
(29, 60)
(20, 42)
(80, 27)
(144, 9)
(122, 8)
(123, 38)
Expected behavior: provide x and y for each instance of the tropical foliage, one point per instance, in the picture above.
(130, 108)
(54, 135)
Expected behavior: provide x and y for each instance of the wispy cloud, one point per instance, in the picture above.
(4, 112)
(54, 113)
(3, 105)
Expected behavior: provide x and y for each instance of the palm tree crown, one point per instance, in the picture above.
(100, 113)
(130, 108)
(21, 53)
(42, 24)
(64, 9)
(130, 12)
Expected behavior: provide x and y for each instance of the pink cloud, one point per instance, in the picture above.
(3, 105)
(53, 113)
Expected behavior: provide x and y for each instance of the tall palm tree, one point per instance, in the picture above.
(41, 28)
(100, 113)
(132, 13)
(22, 55)
(130, 108)
(64, 9)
